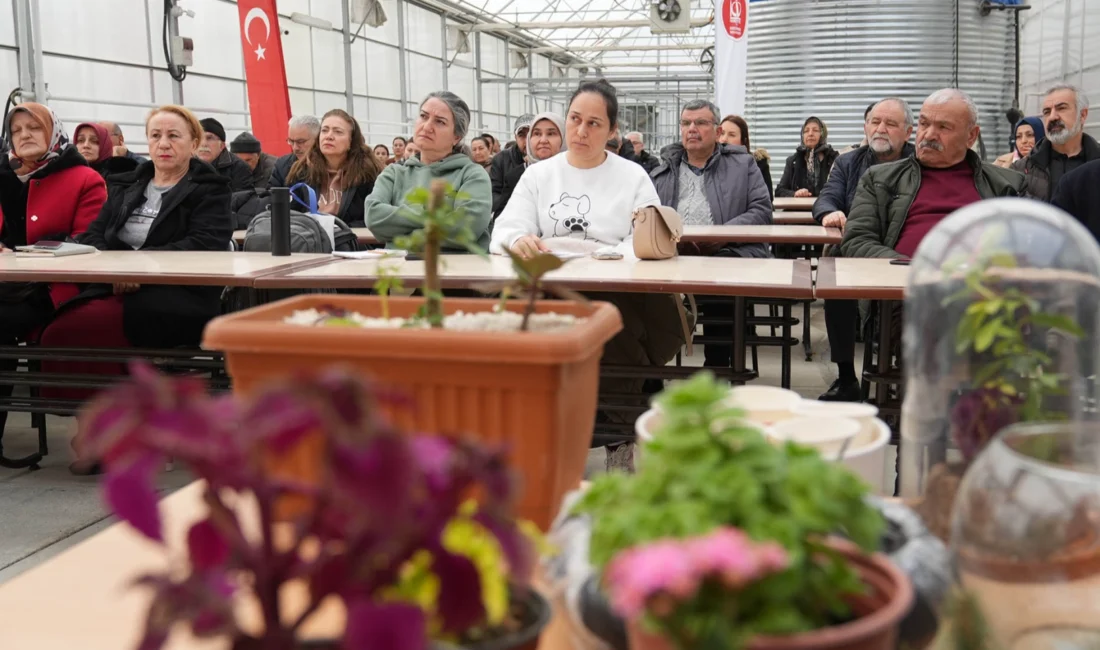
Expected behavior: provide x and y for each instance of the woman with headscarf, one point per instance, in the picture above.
(1026, 135)
(545, 140)
(93, 142)
(47, 192)
(808, 168)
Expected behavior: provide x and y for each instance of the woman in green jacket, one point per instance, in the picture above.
(442, 124)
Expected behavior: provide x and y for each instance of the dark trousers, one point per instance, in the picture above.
(717, 355)
(17, 321)
(841, 323)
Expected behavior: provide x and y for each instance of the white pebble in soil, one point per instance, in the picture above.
(484, 321)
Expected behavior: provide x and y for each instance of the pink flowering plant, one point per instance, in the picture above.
(753, 517)
(695, 589)
(389, 528)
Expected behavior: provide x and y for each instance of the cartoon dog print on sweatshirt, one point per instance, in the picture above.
(570, 216)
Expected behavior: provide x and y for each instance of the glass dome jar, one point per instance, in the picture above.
(1001, 313)
(1026, 535)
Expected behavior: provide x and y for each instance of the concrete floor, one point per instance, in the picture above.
(46, 511)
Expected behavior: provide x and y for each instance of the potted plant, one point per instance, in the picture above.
(1006, 346)
(715, 482)
(468, 369)
(391, 533)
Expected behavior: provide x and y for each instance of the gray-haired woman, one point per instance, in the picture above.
(442, 124)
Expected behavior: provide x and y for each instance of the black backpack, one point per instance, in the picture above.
(306, 233)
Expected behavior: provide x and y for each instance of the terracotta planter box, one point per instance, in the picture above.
(534, 393)
(879, 612)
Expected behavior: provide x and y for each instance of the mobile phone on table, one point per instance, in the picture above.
(414, 257)
(49, 245)
(904, 261)
(607, 255)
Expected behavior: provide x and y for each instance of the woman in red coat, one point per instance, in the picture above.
(47, 192)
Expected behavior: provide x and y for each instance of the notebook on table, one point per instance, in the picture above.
(53, 249)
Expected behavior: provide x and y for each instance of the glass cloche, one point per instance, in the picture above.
(1026, 536)
(1000, 327)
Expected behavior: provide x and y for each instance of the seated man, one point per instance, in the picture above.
(301, 133)
(713, 184)
(1079, 195)
(887, 129)
(898, 203)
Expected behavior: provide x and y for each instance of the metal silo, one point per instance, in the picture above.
(831, 58)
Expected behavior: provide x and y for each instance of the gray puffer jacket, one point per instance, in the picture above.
(734, 185)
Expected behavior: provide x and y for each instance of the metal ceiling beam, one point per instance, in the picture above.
(579, 24)
(666, 64)
(648, 79)
(618, 48)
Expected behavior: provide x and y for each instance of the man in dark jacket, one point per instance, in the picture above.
(212, 150)
(119, 142)
(898, 203)
(713, 184)
(1066, 147)
(301, 134)
(648, 161)
(887, 128)
(246, 147)
(508, 160)
(1079, 195)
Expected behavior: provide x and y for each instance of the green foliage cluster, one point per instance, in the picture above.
(706, 468)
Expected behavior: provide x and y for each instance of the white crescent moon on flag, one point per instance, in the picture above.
(253, 14)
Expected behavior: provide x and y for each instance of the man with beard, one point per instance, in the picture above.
(1066, 147)
(898, 203)
(887, 129)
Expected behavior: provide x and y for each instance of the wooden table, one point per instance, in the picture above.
(861, 279)
(204, 268)
(83, 599)
(779, 234)
(793, 203)
(366, 237)
(793, 218)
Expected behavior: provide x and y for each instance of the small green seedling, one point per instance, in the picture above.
(529, 282)
(388, 282)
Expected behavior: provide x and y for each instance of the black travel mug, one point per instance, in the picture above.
(280, 221)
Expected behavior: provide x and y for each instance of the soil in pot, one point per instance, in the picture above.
(496, 321)
(527, 617)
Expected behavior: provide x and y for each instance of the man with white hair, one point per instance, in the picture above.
(1066, 147)
(898, 203)
(301, 134)
(648, 161)
(887, 128)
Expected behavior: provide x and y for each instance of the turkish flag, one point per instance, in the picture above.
(268, 97)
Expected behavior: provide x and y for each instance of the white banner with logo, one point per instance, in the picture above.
(731, 54)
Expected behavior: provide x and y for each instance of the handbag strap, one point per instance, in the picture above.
(312, 205)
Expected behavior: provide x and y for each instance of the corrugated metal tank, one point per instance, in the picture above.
(831, 58)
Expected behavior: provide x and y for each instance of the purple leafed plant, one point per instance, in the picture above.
(389, 528)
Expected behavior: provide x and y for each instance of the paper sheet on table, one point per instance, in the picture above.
(374, 254)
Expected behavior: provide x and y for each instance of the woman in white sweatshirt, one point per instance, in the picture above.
(582, 200)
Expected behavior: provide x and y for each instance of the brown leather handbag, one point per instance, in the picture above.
(657, 230)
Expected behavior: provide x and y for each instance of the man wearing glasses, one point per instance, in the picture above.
(301, 135)
(710, 183)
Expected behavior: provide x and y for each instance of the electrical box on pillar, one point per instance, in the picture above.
(183, 51)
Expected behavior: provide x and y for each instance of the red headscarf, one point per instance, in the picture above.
(106, 147)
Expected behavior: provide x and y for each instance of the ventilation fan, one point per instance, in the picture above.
(668, 10)
(670, 16)
(706, 59)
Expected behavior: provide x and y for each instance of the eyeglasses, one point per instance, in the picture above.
(699, 124)
(297, 143)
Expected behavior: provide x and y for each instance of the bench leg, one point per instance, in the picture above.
(807, 344)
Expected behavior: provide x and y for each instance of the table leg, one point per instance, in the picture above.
(807, 345)
(738, 353)
(785, 350)
(885, 345)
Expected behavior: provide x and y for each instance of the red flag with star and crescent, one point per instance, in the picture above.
(265, 75)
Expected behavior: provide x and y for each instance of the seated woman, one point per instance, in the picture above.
(94, 144)
(582, 201)
(339, 167)
(1026, 135)
(382, 155)
(440, 128)
(808, 168)
(481, 152)
(47, 192)
(734, 130)
(174, 202)
(543, 141)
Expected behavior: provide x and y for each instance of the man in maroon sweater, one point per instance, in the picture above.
(898, 203)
